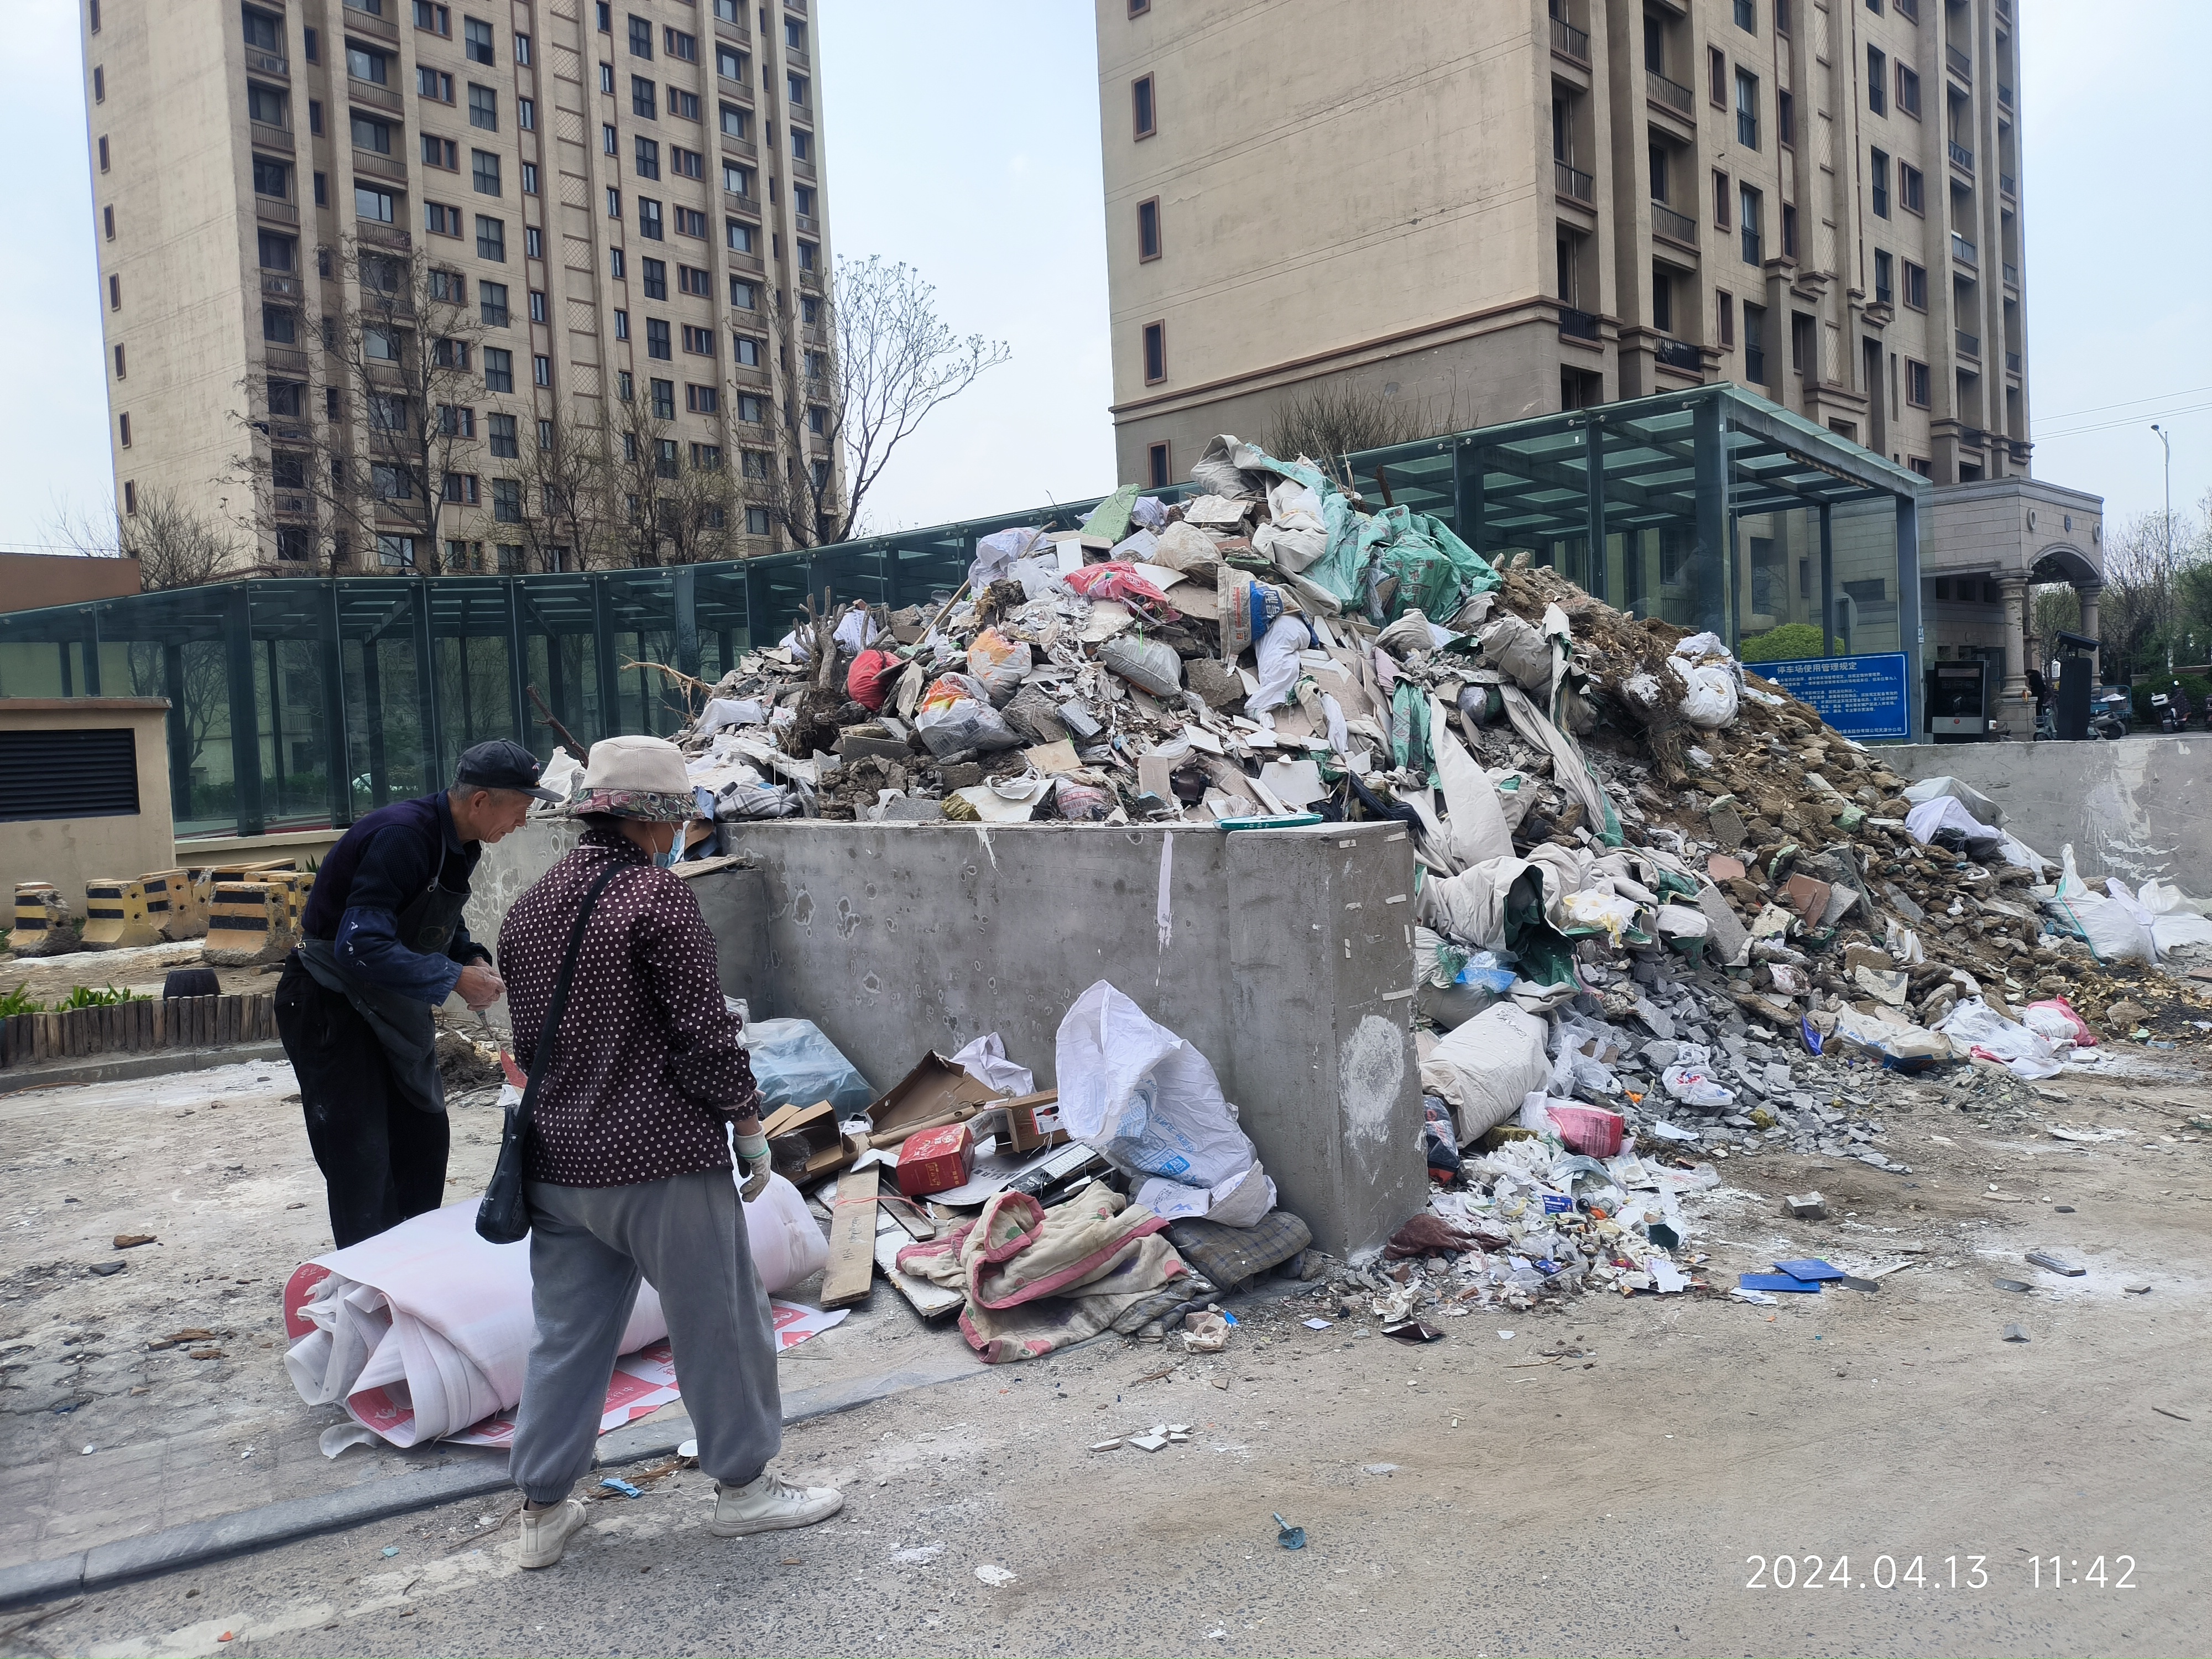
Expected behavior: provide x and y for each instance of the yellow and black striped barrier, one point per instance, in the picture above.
(116, 915)
(249, 922)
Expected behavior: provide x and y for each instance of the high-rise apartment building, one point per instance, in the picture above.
(613, 205)
(1507, 209)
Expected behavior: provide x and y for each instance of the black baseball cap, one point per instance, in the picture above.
(501, 764)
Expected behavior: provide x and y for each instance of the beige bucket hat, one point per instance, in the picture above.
(637, 777)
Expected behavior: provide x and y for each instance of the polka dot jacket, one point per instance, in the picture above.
(646, 1045)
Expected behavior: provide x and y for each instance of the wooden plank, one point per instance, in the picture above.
(927, 1297)
(852, 1240)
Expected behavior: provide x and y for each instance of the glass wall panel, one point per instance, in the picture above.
(475, 670)
(642, 612)
(560, 682)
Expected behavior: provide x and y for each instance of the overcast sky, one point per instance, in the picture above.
(971, 153)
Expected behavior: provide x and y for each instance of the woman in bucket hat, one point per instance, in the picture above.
(630, 1171)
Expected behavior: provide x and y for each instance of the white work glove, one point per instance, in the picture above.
(754, 1161)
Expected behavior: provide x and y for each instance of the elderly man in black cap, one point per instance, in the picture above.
(382, 945)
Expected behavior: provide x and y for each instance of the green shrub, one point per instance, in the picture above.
(1783, 644)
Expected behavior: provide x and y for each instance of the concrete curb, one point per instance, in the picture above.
(199, 1542)
(124, 1068)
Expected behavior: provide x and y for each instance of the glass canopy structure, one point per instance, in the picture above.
(297, 702)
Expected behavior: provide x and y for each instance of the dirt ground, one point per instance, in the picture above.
(1615, 1475)
(141, 969)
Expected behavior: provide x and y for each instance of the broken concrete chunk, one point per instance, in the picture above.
(1805, 1206)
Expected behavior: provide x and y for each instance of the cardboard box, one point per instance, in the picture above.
(937, 1160)
(804, 1144)
(1033, 1122)
(935, 1092)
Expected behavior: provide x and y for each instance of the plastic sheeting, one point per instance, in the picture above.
(1487, 1067)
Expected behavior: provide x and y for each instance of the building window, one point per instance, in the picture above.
(1749, 203)
(1909, 192)
(1789, 230)
(435, 84)
(390, 482)
(648, 219)
(322, 190)
(277, 253)
(646, 162)
(491, 303)
(1158, 473)
(271, 177)
(440, 220)
(366, 63)
(1148, 229)
(664, 398)
(731, 64)
(1754, 344)
(802, 143)
(107, 225)
(741, 237)
(1877, 81)
(371, 134)
(500, 431)
(654, 273)
(756, 521)
(264, 103)
(607, 79)
(1747, 109)
(1804, 350)
(1662, 299)
(1921, 464)
(1916, 286)
(95, 16)
(1155, 353)
(1747, 15)
(744, 296)
(1915, 384)
(526, 114)
(1785, 117)
(1140, 106)
(690, 221)
(751, 409)
(499, 369)
(1908, 91)
(614, 205)
(794, 87)
(437, 19)
(522, 50)
(123, 429)
(702, 399)
(476, 36)
(680, 45)
(115, 294)
(622, 324)
(684, 106)
(441, 152)
(507, 500)
(491, 240)
(1717, 76)
(644, 98)
(657, 337)
(690, 279)
(119, 370)
(641, 36)
(1884, 287)
(530, 178)
(699, 341)
(747, 350)
(686, 163)
(810, 256)
(459, 489)
(735, 122)
(103, 155)
(1726, 318)
(396, 552)
(1878, 180)
(484, 168)
(484, 107)
(1721, 195)
(456, 420)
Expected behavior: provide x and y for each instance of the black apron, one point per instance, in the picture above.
(407, 1028)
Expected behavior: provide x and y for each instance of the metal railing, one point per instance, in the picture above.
(1970, 345)
(280, 284)
(1680, 353)
(1572, 181)
(1962, 155)
(742, 203)
(1577, 324)
(376, 97)
(1673, 225)
(1963, 250)
(275, 211)
(1673, 94)
(1961, 65)
(266, 62)
(805, 222)
(743, 147)
(1569, 42)
(2011, 275)
(269, 135)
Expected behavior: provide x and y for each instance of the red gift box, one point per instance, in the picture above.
(937, 1160)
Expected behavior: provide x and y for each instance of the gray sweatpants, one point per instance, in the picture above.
(589, 1246)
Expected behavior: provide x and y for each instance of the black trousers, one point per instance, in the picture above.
(382, 1159)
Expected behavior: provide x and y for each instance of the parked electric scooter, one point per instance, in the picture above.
(2172, 707)
(2108, 714)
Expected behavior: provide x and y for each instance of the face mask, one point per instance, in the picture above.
(664, 860)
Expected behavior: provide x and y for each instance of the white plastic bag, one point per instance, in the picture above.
(1710, 681)
(1477, 828)
(957, 714)
(1148, 664)
(985, 1060)
(1488, 1067)
(1974, 1024)
(1690, 1084)
(1279, 665)
(1149, 1102)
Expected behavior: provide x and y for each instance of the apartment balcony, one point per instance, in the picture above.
(1970, 345)
(1573, 183)
(1577, 324)
(1958, 63)
(266, 62)
(1680, 354)
(375, 97)
(280, 284)
(802, 170)
(373, 164)
(264, 135)
(749, 205)
(810, 282)
(374, 24)
(2011, 275)
(2005, 183)
(749, 264)
(737, 32)
(796, 8)
(796, 60)
(384, 236)
(744, 146)
(1672, 93)
(807, 223)
(2004, 94)
(2012, 362)
(1964, 252)
(744, 376)
(1570, 42)
(283, 360)
(1963, 156)
(275, 212)
(1669, 225)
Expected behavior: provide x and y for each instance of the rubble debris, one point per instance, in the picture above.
(2050, 1263)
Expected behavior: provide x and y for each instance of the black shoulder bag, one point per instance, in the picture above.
(503, 1217)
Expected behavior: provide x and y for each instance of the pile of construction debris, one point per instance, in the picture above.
(1707, 910)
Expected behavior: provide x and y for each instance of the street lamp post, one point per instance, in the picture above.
(2166, 443)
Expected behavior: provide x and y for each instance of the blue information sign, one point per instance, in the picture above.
(1867, 696)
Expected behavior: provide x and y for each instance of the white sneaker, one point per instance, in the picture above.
(545, 1533)
(769, 1506)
